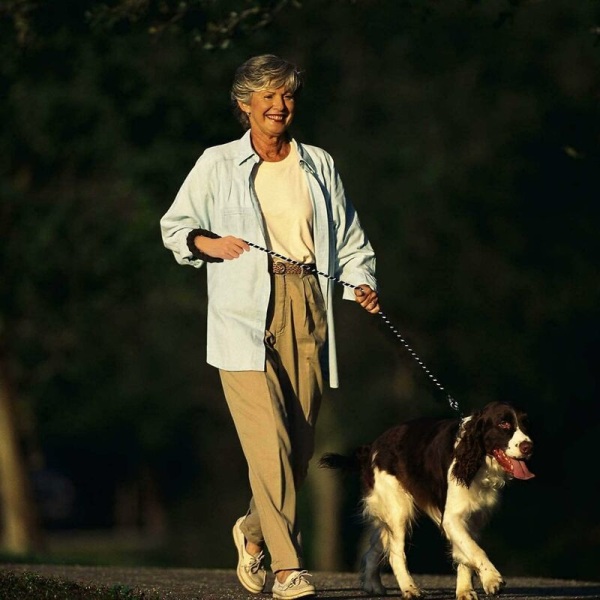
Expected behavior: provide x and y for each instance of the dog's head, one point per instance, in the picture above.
(499, 432)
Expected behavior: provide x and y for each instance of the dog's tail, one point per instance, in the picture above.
(331, 460)
(355, 462)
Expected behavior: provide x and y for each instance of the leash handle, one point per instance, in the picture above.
(313, 269)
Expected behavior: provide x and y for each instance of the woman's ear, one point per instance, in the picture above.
(245, 108)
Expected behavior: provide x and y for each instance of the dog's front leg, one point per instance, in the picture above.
(464, 583)
(460, 524)
(468, 554)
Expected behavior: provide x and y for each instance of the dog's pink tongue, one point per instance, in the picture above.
(517, 468)
(520, 470)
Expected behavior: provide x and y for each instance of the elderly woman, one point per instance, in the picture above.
(270, 322)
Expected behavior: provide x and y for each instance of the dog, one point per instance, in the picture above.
(450, 469)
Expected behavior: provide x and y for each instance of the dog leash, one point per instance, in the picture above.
(313, 269)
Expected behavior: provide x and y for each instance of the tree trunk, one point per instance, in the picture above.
(20, 532)
(326, 500)
(139, 506)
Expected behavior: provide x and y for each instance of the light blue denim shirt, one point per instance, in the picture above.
(218, 195)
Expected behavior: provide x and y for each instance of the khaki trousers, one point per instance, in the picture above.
(275, 413)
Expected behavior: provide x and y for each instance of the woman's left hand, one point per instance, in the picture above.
(367, 298)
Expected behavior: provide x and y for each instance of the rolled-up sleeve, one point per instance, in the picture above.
(189, 211)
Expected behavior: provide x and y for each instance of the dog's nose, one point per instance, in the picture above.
(526, 447)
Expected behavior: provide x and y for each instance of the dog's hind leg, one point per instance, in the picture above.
(397, 558)
(370, 566)
(391, 505)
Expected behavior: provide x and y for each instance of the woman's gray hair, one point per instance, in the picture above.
(259, 73)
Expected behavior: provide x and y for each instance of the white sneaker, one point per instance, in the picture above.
(295, 586)
(250, 569)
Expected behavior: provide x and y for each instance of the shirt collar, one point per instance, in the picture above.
(305, 158)
(246, 151)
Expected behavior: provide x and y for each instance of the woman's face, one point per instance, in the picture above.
(271, 111)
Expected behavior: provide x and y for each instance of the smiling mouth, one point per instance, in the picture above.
(515, 467)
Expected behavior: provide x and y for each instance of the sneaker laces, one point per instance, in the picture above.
(298, 577)
(255, 563)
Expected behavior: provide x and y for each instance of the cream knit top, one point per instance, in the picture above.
(286, 206)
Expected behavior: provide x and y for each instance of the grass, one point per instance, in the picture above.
(31, 586)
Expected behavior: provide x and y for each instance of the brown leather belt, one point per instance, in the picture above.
(285, 268)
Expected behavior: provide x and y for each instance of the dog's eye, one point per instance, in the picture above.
(504, 425)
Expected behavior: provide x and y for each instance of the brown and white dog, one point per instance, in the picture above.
(450, 469)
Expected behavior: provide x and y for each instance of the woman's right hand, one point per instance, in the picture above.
(367, 298)
(227, 247)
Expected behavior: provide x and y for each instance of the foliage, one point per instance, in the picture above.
(471, 152)
(205, 23)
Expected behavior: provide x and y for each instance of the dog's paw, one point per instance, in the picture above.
(492, 581)
(373, 587)
(469, 594)
(411, 593)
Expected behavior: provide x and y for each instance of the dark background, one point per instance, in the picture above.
(467, 136)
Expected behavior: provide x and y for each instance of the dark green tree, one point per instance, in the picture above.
(470, 151)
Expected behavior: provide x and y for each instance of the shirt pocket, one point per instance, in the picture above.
(235, 210)
(240, 221)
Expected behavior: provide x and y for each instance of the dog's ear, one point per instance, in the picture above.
(469, 454)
